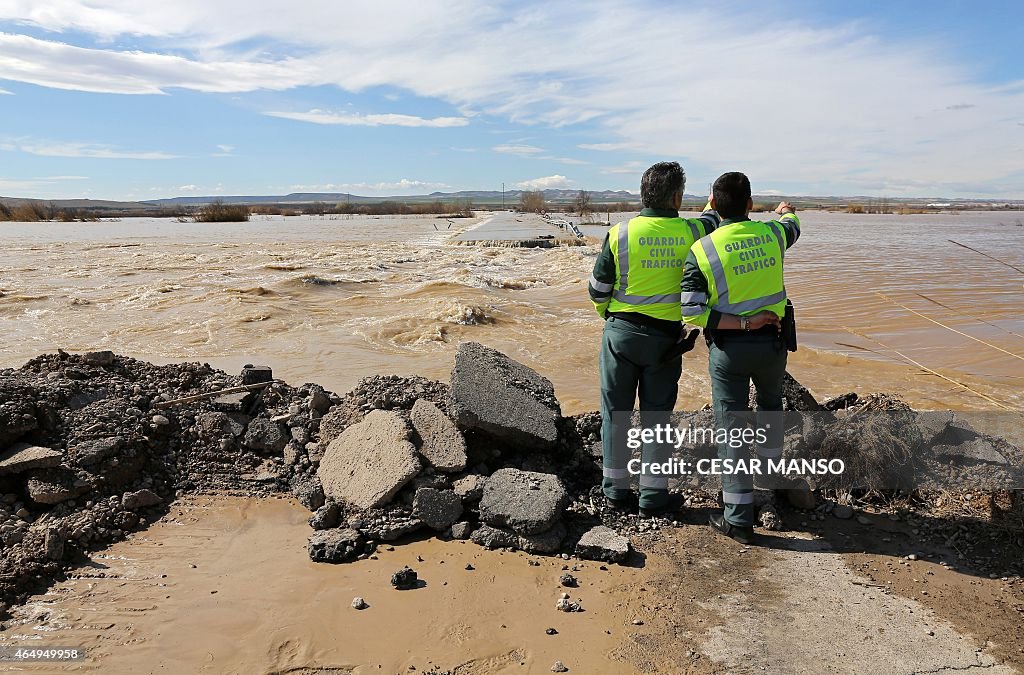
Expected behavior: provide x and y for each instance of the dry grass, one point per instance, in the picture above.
(35, 212)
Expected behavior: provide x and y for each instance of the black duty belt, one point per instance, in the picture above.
(637, 319)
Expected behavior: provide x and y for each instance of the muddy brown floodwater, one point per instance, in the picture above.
(332, 299)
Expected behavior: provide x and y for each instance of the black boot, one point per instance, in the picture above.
(744, 535)
(672, 504)
(627, 504)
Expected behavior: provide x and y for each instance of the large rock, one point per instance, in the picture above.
(325, 517)
(140, 500)
(603, 543)
(506, 399)
(22, 457)
(102, 358)
(370, 461)
(265, 436)
(214, 425)
(92, 452)
(335, 546)
(524, 501)
(470, 487)
(53, 486)
(307, 489)
(443, 445)
(541, 542)
(439, 509)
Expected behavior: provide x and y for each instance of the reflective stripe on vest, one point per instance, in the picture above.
(724, 302)
(600, 286)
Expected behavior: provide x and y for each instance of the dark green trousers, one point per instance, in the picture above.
(631, 364)
(733, 365)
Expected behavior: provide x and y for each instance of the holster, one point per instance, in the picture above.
(789, 327)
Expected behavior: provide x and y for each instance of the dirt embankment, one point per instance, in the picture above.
(97, 447)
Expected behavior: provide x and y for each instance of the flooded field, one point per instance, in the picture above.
(332, 299)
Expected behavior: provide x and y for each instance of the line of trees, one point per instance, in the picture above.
(582, 205)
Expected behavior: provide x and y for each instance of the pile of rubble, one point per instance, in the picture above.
(485, 459)
(95, 446)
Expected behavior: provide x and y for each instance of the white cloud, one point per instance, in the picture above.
(520, 150)
(378, 120)
(627, 168)
(534, 152)
(89, 150)
(63, 66)
(545, 183)
(4, 92)
(859, 110)
(400, 187)
(189, 188)
(604, 147)
(567, 160)
(224, 151)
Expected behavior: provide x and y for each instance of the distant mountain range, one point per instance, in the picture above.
(485, 196)
(478, 199)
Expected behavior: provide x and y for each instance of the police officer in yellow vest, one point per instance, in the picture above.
(733, 287)
(635, 287)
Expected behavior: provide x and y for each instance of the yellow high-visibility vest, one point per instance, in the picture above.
(742, 263)
(649, 254)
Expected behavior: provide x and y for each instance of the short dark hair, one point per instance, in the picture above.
(731, 192)
(660, 182)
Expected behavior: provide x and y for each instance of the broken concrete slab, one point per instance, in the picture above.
(442, 443)
(438, 509)
(541, 542)
(335, 546)
(370, 461)
(502, 397)
(524, 501)
(604, 544)
(979, 450)
(24, 456)
(53, 486)
(386, 524)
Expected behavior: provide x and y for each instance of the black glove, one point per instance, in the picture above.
(684, 344)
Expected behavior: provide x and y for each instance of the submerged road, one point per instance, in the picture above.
(511, 226)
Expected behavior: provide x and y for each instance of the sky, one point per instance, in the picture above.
(137, 99)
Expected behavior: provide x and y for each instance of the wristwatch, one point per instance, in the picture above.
(745, 323)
